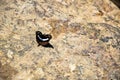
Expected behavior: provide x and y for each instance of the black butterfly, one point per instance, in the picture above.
(43, 39)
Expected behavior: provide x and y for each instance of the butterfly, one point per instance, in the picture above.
(43, 39)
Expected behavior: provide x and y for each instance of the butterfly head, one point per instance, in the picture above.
(38, 33)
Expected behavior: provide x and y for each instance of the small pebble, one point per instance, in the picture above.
(10, 54)
(72, 67)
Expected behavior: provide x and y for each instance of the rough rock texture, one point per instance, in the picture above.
(86, 40)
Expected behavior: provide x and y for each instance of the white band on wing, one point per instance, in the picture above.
(43, 39)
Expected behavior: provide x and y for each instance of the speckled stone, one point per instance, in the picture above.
(85, 36)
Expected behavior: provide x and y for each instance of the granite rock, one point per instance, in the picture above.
(85, 36)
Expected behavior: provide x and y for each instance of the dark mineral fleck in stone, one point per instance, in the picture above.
(105, 39)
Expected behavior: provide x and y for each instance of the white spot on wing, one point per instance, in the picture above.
(43, 39)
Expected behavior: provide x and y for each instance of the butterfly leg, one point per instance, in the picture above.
(38, 45)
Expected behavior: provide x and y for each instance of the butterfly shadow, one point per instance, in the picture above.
(48, 45)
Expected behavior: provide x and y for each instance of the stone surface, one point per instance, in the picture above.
(86, 40)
